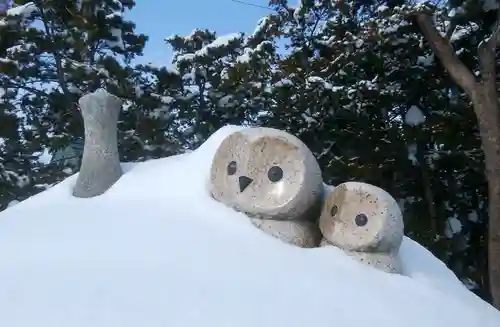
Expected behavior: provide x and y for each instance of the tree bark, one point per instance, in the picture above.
(484, 97)
(487, 111)
(427, 185)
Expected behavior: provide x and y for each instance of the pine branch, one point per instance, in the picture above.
(12, 84)
(59, 69)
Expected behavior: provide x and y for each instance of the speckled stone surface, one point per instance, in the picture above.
(302, 233)
(270, 175)
(366, 222)
(100, 167)
(388, 262)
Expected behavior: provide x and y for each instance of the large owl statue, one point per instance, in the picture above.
(273, 177)
(366, 222)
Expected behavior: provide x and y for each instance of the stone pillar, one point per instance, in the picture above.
(100, 167)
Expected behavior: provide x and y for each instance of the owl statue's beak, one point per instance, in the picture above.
(244, 182)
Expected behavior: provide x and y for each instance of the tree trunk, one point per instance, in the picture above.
(484, 97)
(427, 185)
(487, 110)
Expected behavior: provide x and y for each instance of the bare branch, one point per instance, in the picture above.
(445, 52)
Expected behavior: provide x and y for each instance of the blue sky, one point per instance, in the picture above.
(161, 18)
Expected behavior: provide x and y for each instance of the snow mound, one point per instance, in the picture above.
(157, 250)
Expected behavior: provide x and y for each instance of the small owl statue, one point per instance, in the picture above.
(273, 178)
(364, 221)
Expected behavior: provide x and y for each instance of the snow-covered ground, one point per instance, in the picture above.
(156, 250)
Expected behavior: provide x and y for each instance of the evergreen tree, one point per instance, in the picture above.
(357, 84)
(15, 162)
(55, 51)
(207, 95)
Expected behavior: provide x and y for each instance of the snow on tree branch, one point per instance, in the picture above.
(211, 48)
(21, 14)
(24, 11)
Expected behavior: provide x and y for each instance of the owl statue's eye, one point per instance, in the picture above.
(361, 220)
(334, 210)
(231, 168)
(275, 174)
